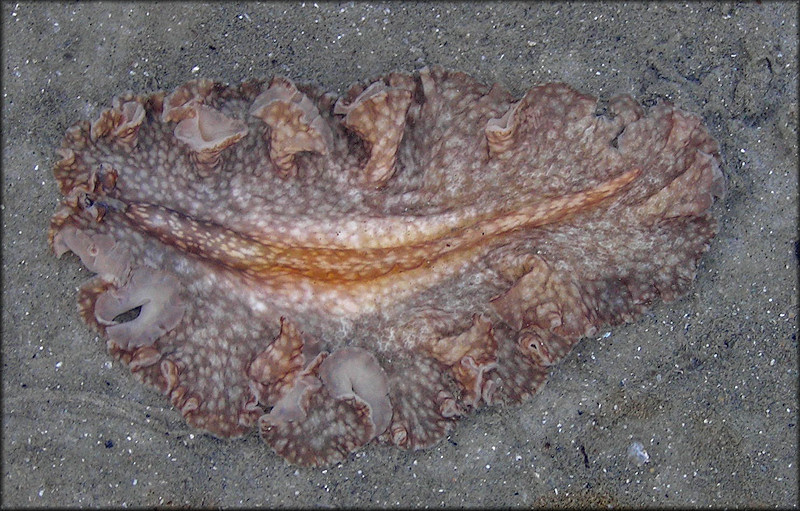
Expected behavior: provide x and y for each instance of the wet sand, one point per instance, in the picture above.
(706, 386)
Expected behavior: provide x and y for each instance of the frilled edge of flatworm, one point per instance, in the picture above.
(378, 115)
(119, 288)
(295, 125)
(312, 406)
(322, 407)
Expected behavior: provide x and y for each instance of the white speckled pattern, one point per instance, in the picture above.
(371, 267)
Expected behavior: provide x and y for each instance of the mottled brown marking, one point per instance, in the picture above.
(337, 271)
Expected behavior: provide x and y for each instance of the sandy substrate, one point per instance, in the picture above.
(706, 386)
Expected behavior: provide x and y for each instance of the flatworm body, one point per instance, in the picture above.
(333, 271)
